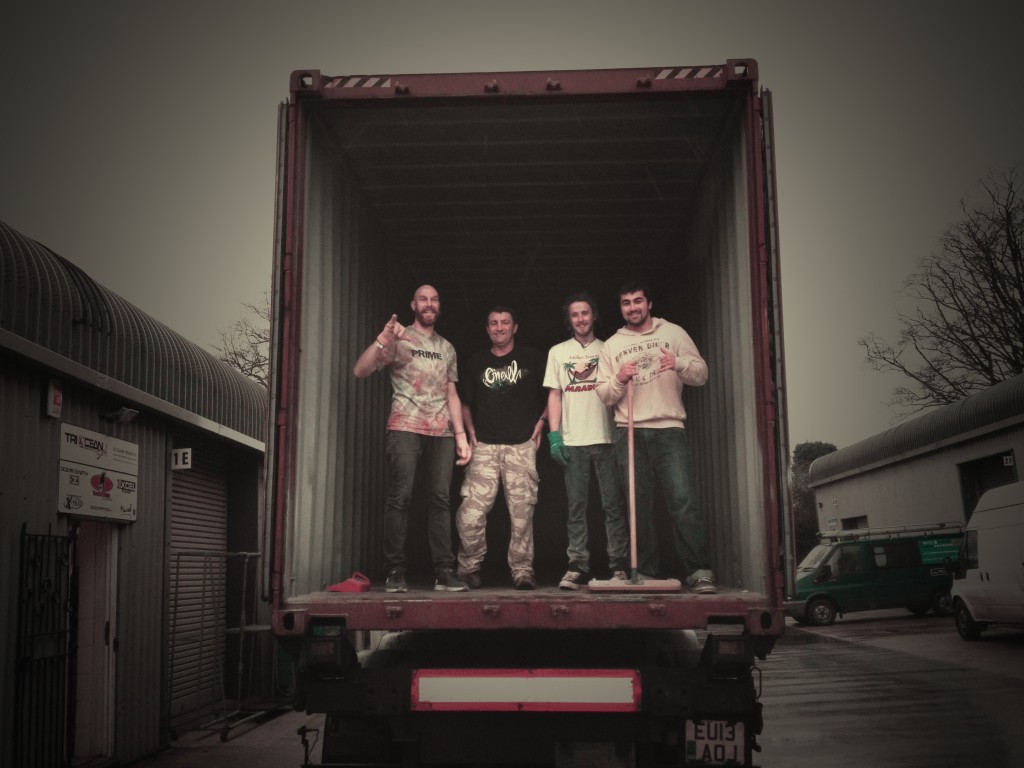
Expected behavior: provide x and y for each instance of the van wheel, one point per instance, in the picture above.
(821, 612)
(942, 603)
(968, 628)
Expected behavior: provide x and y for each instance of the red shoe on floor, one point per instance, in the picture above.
(357, 582)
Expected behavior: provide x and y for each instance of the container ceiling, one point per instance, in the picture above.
(523, 203)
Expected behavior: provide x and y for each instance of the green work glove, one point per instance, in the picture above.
(558, 450)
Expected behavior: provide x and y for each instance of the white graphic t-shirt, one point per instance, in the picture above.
(572, 368)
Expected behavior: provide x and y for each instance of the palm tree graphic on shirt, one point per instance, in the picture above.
(582, 373)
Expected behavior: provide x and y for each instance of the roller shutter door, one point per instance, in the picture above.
(198, 541)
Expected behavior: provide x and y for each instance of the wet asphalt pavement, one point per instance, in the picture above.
(891, 690)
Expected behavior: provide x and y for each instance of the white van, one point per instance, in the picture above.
(989, 584)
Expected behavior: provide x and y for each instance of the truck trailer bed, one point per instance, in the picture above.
(544, 608)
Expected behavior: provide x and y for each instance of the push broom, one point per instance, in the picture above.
(634, 583)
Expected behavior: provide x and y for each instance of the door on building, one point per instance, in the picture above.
(96, 640)
(198, 568)
(984, 474)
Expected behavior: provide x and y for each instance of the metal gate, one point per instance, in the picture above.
(45, 619)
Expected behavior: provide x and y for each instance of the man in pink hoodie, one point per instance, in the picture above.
(660, 358)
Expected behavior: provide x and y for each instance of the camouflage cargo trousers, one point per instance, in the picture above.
(514, 467)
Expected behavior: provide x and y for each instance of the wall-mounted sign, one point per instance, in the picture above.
(98, 475)
(54, 398)
(181, 458)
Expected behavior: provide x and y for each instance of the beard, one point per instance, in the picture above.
(427, 319)
(638, 322)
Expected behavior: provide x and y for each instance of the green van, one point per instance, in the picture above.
(868, 569)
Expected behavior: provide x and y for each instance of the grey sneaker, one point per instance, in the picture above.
(472, 580)
(395, 581)
(573, 579)
(702, 585)
(620, 575)
(446, 582)
(524, 581)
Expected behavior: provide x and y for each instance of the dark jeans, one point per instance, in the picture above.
(663, 456)
(577, 490)
(405, 451)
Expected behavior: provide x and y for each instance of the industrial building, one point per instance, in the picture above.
(930, 469)
(130, 520)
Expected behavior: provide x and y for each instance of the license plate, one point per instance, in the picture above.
(714, 742)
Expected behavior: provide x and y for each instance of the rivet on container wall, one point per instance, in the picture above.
(54, 398)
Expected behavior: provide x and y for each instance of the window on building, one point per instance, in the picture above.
(854, 523)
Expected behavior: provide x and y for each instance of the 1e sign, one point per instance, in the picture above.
(181, 458)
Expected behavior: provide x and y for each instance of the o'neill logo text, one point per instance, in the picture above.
(496, 378)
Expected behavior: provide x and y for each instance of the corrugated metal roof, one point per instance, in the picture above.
(49, 301)
(1003, 402)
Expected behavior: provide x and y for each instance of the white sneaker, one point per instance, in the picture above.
(573, 580)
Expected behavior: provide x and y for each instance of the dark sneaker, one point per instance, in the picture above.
(446, 582)
(703, 585)
(524, 581)
(573, 579)
(395, 581)
(472, 580)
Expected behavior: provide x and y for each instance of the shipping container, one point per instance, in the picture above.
(519, 188)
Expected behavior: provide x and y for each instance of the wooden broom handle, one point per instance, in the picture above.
(631, 475)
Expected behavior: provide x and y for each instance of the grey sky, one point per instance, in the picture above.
(138, 139)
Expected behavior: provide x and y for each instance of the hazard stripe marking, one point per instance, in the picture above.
(690, 73)
(360, 81)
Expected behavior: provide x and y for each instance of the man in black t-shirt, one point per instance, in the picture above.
(503, 405)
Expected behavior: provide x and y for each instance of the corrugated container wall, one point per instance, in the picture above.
(343, 297)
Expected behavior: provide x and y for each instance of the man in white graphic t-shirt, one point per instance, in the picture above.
(580, 437)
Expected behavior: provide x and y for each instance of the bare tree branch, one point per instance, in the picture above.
(246, 345)
(966, 331)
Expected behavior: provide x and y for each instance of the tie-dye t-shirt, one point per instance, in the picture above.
(420, 373)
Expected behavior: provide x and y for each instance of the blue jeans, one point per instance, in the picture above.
(577, 490)
(663, 456)
(405, 451)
